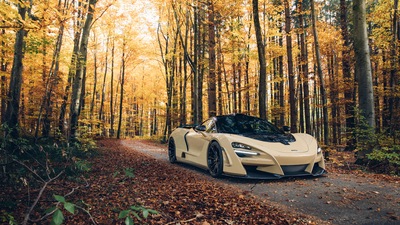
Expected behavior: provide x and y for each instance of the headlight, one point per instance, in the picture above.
(240, 145)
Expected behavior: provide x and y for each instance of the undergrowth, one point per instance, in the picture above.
(28, 165)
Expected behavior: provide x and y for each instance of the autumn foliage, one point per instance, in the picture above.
(75, 70)
(120, 177)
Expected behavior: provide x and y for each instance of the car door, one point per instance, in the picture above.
(199, 139)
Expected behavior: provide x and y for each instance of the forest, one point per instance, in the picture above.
(82, 69)
(73, 71)
(101, 68)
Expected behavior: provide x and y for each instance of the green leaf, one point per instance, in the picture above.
(58, 217)
(145, 213)
(59, 198)
(152, 211)
(129, 172)
(49, 210)
(129, 221)
(123, 214)
(69, 207)
(136, 215)
(136, 208)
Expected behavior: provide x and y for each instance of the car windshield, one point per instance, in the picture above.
(247, 125)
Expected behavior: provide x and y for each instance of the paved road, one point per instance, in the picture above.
(336, 198)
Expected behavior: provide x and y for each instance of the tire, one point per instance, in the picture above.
(215, 160)
(171, 151)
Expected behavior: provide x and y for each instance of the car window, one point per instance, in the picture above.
(227, 125)
(242, 124)
(210, 126)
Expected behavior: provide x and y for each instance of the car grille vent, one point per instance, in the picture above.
(293, 170)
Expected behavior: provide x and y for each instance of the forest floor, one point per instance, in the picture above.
(346, 195)
(137, 173)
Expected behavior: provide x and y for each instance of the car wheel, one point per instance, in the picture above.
(215, 160)
(171, 151)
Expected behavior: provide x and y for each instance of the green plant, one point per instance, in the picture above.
(7, 218)
(128, 172)
(135, 211)
(58, 217)
(35, 163)
(387, 158)
(56, 211)
(366, 136)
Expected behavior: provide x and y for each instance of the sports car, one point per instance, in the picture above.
(245, 146)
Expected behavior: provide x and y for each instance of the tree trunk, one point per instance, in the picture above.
(320, 75)
(79, 76)
(196, 46)
(14, 94)
(212, 98)
(304, 69)
(363, 71)
(291, 75)
(121, 100)
(94, 92)
(347, 76)
(262, 91)
(3, 68)
(201, 67)
(394, 79)
(112, 90)
(363, 63)
(72, 70)
(51, 81)
(103, 89)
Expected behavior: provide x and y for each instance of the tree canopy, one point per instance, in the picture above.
(140, 68)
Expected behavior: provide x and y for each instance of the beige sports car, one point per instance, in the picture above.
(245, 146)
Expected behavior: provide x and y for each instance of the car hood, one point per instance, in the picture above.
(297, 142)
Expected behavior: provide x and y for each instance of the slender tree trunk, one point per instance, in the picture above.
(72, 70)
(320, 75)
(185, 73)
(212, 98)
(363, 70)
(333, 96)
(234, 87)
(291, 75)
(281, 83)
(262, 91)
(121, 100)
(169, 70)
(3, 68)
(94, 92)
(347, 76)
(112, 90)
(79, 76)
(14, 94)
(363, 63)
(229, 94)
(201, 66)
(219, 75)
(304, 69)
(196, 44)
(103, 89)
(394, 77)
(51, 81)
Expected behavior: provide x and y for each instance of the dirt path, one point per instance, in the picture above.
(338, 198)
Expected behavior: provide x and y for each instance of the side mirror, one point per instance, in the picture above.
(200, 128)
(286, 128)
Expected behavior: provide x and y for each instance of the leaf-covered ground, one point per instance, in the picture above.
(126, 174)
(121, 178)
